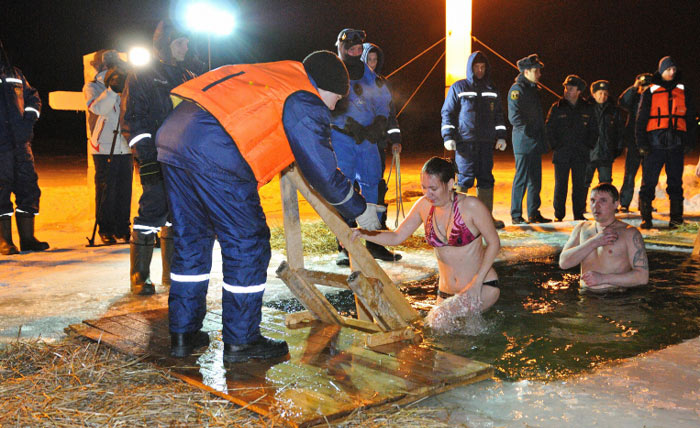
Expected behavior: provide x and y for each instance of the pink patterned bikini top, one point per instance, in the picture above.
(460, 235)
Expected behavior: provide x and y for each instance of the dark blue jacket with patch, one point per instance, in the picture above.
(527, 117)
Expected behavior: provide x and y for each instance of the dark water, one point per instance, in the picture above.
(542, 328)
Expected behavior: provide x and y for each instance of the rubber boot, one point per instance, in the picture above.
(645, 211)
(7, 247)
(141, 252)
(486, 197)
(166, 252)
(25, 227)
(676, 215)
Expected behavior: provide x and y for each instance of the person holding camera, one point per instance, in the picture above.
(20, 107)
(109, 150)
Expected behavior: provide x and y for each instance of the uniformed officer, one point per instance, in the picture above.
(665, 128)
(571, 132)
(611, 128)
(629, 100)
(527, 117)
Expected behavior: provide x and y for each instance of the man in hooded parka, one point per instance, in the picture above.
(145, 104)
(472, 125)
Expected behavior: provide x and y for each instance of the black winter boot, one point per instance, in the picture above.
(27, 241)
(676, 215)
(141, 252)
(166, 252)
(7, 247)
(182, 344)
(262, 349)
(645, 211)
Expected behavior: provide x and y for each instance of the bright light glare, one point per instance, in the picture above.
(205, 17)
(139, 56)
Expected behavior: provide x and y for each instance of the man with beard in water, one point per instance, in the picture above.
(611, 252)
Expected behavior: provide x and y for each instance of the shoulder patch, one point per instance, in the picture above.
(514, 95)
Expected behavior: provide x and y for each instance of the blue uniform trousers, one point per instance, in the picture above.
(18, 176)
(672, 160)
(604, 173)
(205, 208)
(360, 163)
(528, 174)
(474, 161)
(632, 162)
(578, 187)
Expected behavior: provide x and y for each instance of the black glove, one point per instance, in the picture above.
(23, 129)
(376, 132)
(150, 173)
(687, 148)
(354, 128)
(115, 79)
(643, 151)
(145, 151)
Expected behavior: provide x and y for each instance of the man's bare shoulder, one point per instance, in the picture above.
(628, 230)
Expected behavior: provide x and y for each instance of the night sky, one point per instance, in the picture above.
(613, 40)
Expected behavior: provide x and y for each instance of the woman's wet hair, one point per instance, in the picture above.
(442, 168)
(609, 189)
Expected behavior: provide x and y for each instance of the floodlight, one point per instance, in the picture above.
(206, 17)
(139, 56)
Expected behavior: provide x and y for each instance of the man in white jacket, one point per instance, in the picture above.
(109, 149)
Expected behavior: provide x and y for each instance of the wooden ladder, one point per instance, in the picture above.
(382, 309)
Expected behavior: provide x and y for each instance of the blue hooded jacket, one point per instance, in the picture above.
(472, 110)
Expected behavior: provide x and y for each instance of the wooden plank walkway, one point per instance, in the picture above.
(328, 373)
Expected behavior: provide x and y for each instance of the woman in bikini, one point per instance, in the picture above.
(454, 225)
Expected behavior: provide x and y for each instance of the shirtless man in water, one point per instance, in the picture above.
(611, 253)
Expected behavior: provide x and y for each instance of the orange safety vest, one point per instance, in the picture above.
(248, 100)
(667, 108)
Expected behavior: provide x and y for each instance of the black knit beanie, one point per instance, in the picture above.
(328, 71)
(666, 62)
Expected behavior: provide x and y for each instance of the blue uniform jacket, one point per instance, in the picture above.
(472, 110)
(366, 101)
(146, 103)
(196, 142)
(20, 107)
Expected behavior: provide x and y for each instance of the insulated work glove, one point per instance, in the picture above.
(368, 220)
(450, 145)
(501, 144)
(376, 131)
(355, 129)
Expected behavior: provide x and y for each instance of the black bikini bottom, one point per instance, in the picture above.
(492, 283)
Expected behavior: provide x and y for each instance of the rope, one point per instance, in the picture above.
(421, 84)
(416, 57)
(511, 64)
(396, 160)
